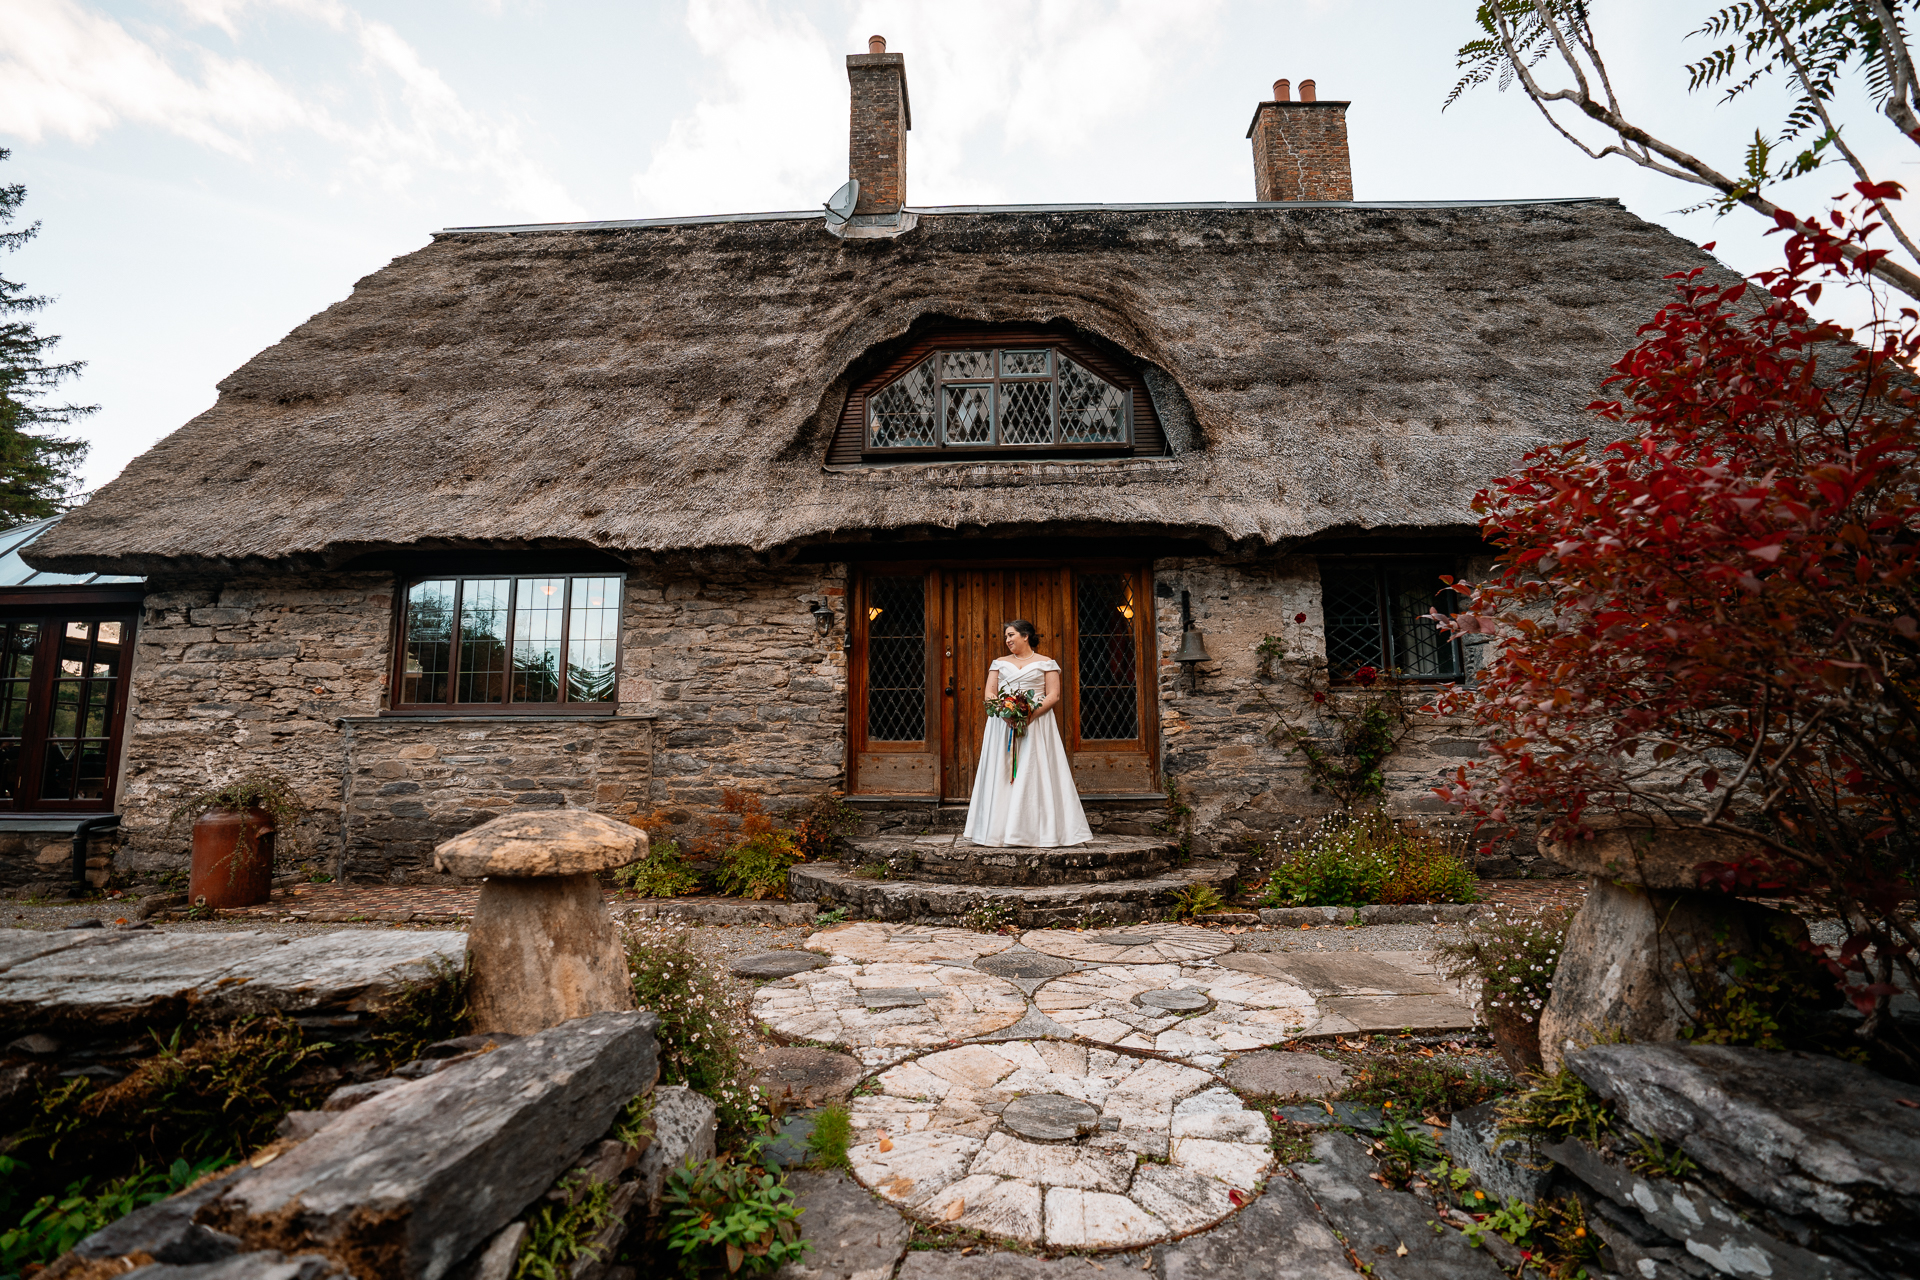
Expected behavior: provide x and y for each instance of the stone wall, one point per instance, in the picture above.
(1219, 733)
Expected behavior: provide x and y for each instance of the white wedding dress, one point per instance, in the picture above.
(1039, 809)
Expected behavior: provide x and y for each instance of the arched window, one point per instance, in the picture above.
(964, 393)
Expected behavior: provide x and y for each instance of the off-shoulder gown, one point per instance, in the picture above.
(1039, 808)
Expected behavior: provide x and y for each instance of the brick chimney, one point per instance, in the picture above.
(877, 132)
(1300, 148)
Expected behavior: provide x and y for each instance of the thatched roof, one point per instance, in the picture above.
(672, 386)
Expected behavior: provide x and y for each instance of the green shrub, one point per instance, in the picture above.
(55, 1223)
(757, 867)
(423, 1013)
(1350, 859)
(1558, 1107)
(559, 1232)
(1512, 958)
(698, 1035)
(732, 1214)
(663, 873)
(1421, 1085)
(819, 827)
(1197, 900)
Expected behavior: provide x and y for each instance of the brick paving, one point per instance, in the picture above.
(436, 904)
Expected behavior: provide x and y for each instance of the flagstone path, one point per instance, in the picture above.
(882, 1012)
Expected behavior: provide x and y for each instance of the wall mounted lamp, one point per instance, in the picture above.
(1193, 645)
(822, 616)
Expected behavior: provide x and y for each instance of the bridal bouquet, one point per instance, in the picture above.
(1017, 710)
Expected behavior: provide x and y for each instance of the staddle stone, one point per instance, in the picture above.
(543, 952)
(1174, 1000)
(1050, 1117)
(546, 842)
(775, 964)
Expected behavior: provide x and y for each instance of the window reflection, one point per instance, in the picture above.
(511, 641)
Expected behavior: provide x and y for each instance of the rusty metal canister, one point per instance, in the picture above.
(232, 859)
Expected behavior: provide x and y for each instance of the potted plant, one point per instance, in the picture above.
(236, 829)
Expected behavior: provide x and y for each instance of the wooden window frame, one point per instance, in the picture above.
(449, 708)
(1146, 437)
(66, 606)
(1381, 568)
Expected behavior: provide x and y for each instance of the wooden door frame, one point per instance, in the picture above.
(944, 685)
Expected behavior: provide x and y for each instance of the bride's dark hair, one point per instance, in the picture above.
(1027, 629)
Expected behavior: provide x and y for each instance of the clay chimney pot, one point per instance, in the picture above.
(1306, 91)
(1281, 91)
(876, 44)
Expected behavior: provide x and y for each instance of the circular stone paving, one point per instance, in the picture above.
(882, 1012)
(1198, 1013)
(1131, 944)
(1163, 1144)
(905, 942)
(1022, 963)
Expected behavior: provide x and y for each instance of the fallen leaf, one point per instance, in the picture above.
(1907, 1102)
(1436, 1122)
(1401, 1252)
(264, 1158)
(1327, 1105)
(735, 1256)
(886, 1143)
(1237, 1196)
(954, 1210)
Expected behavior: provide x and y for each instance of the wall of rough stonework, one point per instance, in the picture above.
(1219, 735)
(414, 783)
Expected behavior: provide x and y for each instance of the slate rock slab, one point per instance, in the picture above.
(1024, 964)
(854, 1235)
(932, 1265)
(1284, 1073)
(815, 1076)
(684, 1126)
(1507, 1170)
(1803, 1134)
(775, 964)
(408, 1183)
(1378, 1223)
(166, 1231)
(1351, 1115)
(1280, 1236)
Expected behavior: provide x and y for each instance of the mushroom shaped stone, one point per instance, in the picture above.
(542, 948)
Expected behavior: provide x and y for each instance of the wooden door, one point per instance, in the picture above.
(916, 729)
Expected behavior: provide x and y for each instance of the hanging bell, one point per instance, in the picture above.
(1193, 648)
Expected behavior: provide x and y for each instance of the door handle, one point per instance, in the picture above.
(949, 686)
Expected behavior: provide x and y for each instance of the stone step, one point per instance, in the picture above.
(893, 815)
(834, 884)
(950, 858)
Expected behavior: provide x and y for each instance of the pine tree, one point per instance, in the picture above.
(37, 467)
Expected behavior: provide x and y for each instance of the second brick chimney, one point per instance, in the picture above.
(1299, 148)
(877, 131)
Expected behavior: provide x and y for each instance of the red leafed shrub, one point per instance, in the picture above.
(1715, 618)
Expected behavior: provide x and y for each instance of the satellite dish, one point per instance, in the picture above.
(840, 207)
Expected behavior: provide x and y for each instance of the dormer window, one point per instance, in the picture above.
(967, 393)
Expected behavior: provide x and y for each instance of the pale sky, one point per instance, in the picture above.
(210, 173)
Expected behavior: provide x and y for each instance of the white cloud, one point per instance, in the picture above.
(771, 129)
(70, 72)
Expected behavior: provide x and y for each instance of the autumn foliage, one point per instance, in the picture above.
(1715, 617)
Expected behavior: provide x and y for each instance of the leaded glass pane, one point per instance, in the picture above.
(1350, 602)
(969, 415)
(592, 632)
(429, 658)
(537, 609)
(896, 659)
(966, 365)
(483, 640)
(903, 414)
(1419, 647)
(1109, 671)
(1025, 364)
(1092, 410)
(1026, 413)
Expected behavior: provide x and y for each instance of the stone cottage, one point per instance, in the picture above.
(621, 514)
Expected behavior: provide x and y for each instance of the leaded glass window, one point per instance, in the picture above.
(998, 397)
(1375, 616)
(63, 687)
(1109, 669)
(506, 643)
(897, 659)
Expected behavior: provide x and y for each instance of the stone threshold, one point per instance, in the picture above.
(1032, 906)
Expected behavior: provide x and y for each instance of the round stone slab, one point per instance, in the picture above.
(952, 1156)
(1286, 1074)
(775, 964)
(1024, 964)
(1126, 1005)
(1173, 1000)
(1136, 944)
(882, 1012)
(911, 944)
(1050, 1117)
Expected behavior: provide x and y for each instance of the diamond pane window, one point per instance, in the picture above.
(897, 659)
(496, 644)
(1026, 413)
(969, 415)
(1375, 617)
(903, 416)
(1092, 410)
(1011, 397)
(1109, 673)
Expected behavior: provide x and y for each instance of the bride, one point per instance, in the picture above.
(1038, 808)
